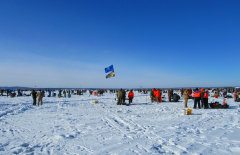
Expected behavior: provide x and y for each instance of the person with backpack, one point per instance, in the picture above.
(197, 98)
(130, 96)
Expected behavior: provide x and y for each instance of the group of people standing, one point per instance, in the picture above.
(121, 97)
(37, 97)
(200, 98)
(156, 95)
(66, 93)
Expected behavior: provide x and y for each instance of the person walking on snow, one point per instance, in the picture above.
(130, 96)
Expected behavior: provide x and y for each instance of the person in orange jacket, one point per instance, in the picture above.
(130, 96)
(197, 98)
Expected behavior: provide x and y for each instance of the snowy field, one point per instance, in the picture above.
(77, 126)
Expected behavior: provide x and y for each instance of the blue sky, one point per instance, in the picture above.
(151, 43)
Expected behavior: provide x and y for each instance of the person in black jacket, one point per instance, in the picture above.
(34, 96)
(123, 97)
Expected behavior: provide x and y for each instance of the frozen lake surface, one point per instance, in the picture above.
(78, 126)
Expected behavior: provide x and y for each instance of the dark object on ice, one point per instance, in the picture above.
(229, 96)
(217, 105)
(1, 92)
(176, 97)
(13, 95)
(238, 100)
(226, 106)
(54, 94)
(19, 93)
(205, 103)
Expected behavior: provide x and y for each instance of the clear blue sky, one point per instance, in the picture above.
(151, 43)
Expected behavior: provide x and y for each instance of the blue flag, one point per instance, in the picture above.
(109, 69)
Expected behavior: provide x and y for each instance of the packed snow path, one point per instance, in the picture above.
(77, 126)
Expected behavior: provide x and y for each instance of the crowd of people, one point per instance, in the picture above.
(200, 96)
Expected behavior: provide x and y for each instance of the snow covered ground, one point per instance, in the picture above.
(77, 126)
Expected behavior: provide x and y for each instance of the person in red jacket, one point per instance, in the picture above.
(152, 95)
(158, 96)
(130, 96)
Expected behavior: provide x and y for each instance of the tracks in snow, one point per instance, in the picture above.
(133, 133)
